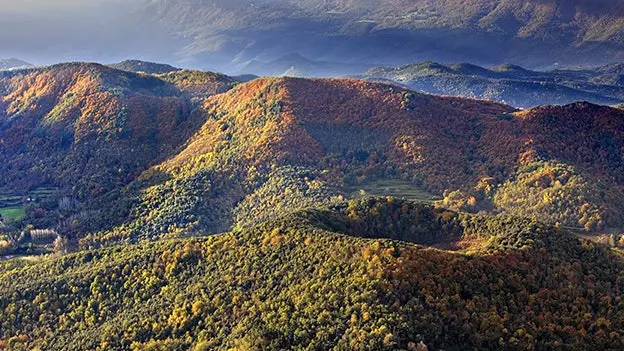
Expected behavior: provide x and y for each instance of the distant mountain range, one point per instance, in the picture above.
(509, 84)
(527, 32)
(230, 35)
(13, 63)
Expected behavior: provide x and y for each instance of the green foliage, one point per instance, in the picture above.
(285, 190)
(300, 283)
(555, 193)
(138, 66)
(12, 213)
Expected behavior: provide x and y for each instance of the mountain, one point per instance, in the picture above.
(199, 84)
(89, 128)
(189, 151)
(326, 279)
(295, 65)
(137, 66)
(13, 63)
(612, 74)
(277, 145)
(226, 35)
(508, 84)
(532, 33)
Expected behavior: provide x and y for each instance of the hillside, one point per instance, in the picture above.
(508, 84)
(265, 148)
(278, 145)
(326, 279)
(273, 123)
(199, 84)
(88, 128)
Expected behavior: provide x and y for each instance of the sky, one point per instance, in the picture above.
(46, 5)
(49, 31)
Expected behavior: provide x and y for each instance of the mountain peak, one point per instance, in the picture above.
(13, 63)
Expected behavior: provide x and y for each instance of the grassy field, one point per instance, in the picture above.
(391, 187)
(15, 213)
(12, 202)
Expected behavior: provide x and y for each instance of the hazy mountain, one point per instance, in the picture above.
(486, 31)
(294, 65)
(508, 84)
(227, 35)
(13, 63)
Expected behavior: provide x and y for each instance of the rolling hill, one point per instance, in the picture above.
(276, 145)
(326, 279)
(508, 84)
(89, 128)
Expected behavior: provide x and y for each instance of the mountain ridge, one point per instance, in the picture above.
(315, 136)
(517, 29)
(507, 83)
(87, 104)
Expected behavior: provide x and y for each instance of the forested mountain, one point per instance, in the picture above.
(509, 84)
(91, 128)
(281, 144)
(327, 279)
(138, 66)
(165, 158)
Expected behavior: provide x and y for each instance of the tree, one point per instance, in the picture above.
(61, 245)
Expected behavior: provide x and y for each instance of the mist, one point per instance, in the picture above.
(45, 32)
